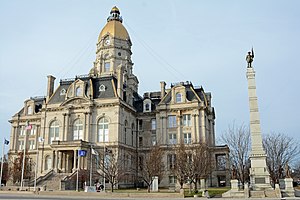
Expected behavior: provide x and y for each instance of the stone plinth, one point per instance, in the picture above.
(289, 189)
(234, 185)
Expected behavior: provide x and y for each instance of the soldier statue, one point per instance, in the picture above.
(249, 58)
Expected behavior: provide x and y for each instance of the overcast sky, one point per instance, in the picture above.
(200, 41)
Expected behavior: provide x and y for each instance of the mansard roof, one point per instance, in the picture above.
(96, 88)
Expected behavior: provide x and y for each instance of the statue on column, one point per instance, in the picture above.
(233, 172)
(249, 58)
(287, 171)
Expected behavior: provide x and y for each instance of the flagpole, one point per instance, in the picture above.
(2, 164)
(36, 165)
(91, 172)
(23, 163)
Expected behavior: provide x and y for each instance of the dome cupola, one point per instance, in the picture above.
(114, 26)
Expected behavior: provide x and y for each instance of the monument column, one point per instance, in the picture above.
(259, 175)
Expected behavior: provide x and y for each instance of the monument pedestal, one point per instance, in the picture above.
(289, 189)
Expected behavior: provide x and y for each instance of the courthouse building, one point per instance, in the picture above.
(103, 110)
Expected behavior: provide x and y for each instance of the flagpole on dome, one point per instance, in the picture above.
(5, 142)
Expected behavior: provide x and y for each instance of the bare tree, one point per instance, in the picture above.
(111, 166)
(152, 165)
(192, 163)
(5, 172)
(281, 151)
(238, 140)
(15, 169)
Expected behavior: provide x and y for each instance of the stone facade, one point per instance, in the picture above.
(104, 112)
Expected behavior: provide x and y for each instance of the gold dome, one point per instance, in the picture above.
(114, 26)
(115, 29)
(115, 9)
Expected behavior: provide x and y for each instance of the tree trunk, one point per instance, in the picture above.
(149, 186)
(112, 187)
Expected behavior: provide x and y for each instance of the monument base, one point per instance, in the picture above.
(289, 189)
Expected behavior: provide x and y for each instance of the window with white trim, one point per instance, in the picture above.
(172, 121)
(103, 130)
(53, 131)
(178, 98)
(77, 130)
(171, 161)
(172, 138)
(186, 119)
(31, 144)
(153, 124)
(21, 145)
(187, 138)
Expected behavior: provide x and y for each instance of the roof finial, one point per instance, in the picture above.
(115, 15)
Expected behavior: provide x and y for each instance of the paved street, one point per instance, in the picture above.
(24, 196)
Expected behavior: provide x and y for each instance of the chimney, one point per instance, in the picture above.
(162, 89)
(50, 86)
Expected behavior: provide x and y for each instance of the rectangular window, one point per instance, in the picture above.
(22, 130)
(172, 138)
(140, 141)
(140, 125)
(106, 66)
(221, 161)
(187, 138)
(172, 121)
(153, 124)
(172, 180)
(33, 130)
(31, 144)
(21, 145)
(171, 161)
(153, 139)
(186, 120)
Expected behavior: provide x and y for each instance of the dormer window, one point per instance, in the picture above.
(178, 98)
(147, 107)
(29, 110)
(102, 88)
(63, 92)
(78, 91)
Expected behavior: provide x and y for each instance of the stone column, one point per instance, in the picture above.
(67, 162)
(85, 136)
(74, 161)
(60, 160)
(63, 127)
(259, 175)
(202, 126)
(67, 127)
(179, 127)
(56, 160)
(88, 133)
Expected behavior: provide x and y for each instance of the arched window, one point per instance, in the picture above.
(147, 107)
(78, 91)
(103, 130)
(106, 66)
(77, 130)
(178, 98)
(48, 163)
(29, 110)
(53, 131)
